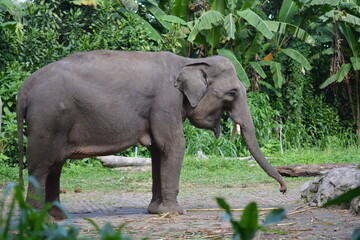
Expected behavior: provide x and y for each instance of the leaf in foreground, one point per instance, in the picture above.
(343, 198)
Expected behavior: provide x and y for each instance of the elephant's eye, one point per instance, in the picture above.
(232, 93)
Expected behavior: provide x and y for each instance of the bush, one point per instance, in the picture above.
(36, 224)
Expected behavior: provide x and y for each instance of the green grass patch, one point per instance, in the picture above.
(91, 176)
(316, 156)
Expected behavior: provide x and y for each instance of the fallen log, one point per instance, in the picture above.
(117, 161)
(309, 170)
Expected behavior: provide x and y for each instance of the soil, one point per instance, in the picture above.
(120, 206)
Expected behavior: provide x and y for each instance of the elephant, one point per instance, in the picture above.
(102, 102)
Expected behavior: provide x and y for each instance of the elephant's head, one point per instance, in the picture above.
(211, 88)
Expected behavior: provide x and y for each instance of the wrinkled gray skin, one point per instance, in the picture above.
(102, 102)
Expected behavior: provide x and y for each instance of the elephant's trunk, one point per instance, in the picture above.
(240, 113)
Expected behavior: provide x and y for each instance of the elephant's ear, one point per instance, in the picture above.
(192, 81)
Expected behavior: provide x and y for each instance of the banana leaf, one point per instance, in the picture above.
(297, 56)
(206, 21)
(286, 28)
(255, 20)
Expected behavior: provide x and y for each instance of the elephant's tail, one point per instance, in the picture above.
(20, 116)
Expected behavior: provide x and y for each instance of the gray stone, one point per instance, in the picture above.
(330, 185)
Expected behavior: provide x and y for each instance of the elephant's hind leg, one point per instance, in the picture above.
(52, 190)
(44, 166)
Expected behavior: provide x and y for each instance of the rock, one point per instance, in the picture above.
(200, 154)
(330, 185)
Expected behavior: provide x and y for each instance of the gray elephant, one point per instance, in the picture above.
(102, 102)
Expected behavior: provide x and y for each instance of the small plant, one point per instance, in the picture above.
(107, 232)
(248, 225)
(30, 223)
(37, 224)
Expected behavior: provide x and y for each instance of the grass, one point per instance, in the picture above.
(215, 171)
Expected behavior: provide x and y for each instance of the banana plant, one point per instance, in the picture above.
(345, 16)
(236, 23)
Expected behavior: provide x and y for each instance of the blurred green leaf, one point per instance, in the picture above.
(275, 216)
(344, 198)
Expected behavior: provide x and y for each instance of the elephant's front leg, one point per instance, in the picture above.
(170, 178)
(167, 154)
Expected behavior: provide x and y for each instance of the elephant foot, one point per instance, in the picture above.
(172, 207)
(57, 213)
(167, 203)
(153, 207)
(158, 207)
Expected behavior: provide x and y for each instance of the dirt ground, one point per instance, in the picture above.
(118, 207)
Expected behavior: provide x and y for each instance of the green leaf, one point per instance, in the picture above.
(173, 19)
(338, 77)
(213, 37)
(10, 25)
(256, 47)
(268, 86)
(328, 81)
(8, 3)
(323, 2)
(287, 11)
(344, 198)
(181, 9)
(355, 63)
(297, 56)
(248, 4)
(256, 66)
(207, 20)
(350, 38)
(218, 5)
(224, 205)
(277, 74)
(343, 71)
(249, 221)
(344, 17)
(275, 216)
(157, 12)
(275, 68)
(240, 72)
(229, 25)
(286, 28)
(356, 234)
(328, 51)
(255, 20)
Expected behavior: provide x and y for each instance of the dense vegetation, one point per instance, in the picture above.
(299, 59)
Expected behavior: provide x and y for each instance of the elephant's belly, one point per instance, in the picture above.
(93, 151)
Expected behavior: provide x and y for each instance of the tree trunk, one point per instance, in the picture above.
(309, 170)
(117, 161)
